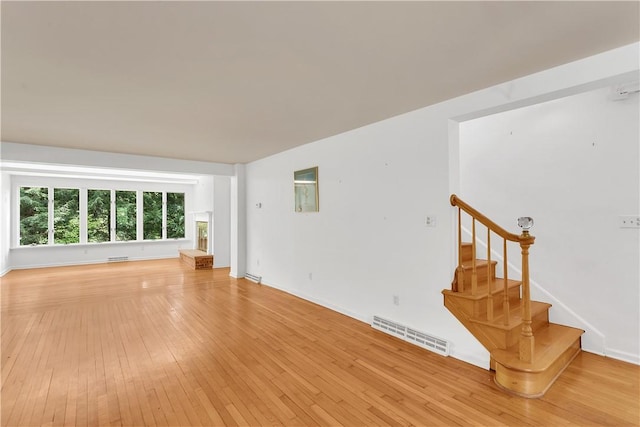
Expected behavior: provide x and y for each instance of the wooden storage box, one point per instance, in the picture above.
(196, 259)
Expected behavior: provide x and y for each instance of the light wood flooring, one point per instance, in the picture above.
(156, 343)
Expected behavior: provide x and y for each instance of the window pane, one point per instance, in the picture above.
(34, 215)
(66, 215)
(98, 215)
(175, 215)
(125, 215)
(152, 208)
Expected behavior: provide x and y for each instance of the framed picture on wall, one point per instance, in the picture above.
(305, 185)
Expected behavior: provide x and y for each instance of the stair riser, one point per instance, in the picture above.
(506, 338)
(479, 307)
(481, 274)
(467, 253)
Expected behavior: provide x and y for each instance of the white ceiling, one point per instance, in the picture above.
(233, 82)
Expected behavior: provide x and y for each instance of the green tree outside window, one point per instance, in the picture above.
(152, 208)
(66, 215)
(175, 215)
(34, 215)
(126, 219)
(36, 212)
(98, 216)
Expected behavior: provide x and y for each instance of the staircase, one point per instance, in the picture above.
(527, 352)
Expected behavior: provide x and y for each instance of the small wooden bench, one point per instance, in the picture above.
(198, 260)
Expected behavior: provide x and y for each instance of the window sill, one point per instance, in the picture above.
(102, 244)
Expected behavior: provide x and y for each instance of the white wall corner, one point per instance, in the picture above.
(221, 221)
(238, 226)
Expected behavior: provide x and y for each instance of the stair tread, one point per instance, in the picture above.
(497, 285)
(550, 342)
(515, 315)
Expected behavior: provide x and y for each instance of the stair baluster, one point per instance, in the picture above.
(474, 272)
(489, 294)
(459, 278)
(505, 304)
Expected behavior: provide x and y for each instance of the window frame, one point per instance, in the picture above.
(83, 189)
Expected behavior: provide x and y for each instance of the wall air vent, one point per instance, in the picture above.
(427, 341)
(253, 278)
(405, 333)
(117, 258)
(389, 327)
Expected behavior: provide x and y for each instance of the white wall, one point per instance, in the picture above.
(377, 183)
(203, 195)
(573, 165)
(5, 216)
(238, 228)
(221, 221)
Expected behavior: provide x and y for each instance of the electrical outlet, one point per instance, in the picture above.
(429, 221)
(629, 221)
(396, 300)
(310, 276)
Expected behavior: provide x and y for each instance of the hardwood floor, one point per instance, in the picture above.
(156, 343)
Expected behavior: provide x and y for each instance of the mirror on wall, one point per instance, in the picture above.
(305, 183)
(203, 235)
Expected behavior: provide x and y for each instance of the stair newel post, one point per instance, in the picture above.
(526, 337)
(474, 272)
(505, 303)
(489, 281)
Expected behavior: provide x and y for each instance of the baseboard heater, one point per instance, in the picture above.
(437, 345)
(253, 278)
(117, 258)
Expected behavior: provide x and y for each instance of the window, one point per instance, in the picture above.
(66, 215)
(34, 215)
(98, 216)
(126, 215)
(152, 208)
(175, 215)
(56, 215)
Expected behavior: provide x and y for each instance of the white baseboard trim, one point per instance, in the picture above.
(623, 356)
(5, 271)
(473, 359)
(481, 362)
(330, 306)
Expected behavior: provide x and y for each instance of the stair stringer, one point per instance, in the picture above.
(456, 307)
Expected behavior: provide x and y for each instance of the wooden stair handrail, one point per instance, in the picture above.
(479, 216)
